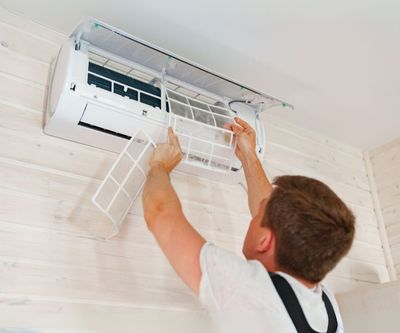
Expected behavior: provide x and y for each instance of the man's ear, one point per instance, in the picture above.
(266, 240)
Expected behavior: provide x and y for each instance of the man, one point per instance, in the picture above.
(298, 233)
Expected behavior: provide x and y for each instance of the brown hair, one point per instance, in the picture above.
(313, 227)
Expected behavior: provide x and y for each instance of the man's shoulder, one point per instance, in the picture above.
(233, 281)
(218, 258)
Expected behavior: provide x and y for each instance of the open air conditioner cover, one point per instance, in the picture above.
(123, 45)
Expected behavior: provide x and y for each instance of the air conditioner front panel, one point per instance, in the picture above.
(123, 122)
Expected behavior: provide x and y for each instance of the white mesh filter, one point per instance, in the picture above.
(200, 128)
(125, 180)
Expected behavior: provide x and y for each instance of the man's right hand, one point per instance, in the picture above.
(168, 155)
(246, 138)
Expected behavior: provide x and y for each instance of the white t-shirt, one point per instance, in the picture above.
(242, 291)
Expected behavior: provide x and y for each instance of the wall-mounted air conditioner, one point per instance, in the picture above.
(106, 85)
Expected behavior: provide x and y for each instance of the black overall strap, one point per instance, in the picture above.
(294, 309)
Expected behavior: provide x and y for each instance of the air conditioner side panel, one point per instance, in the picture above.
(60, 77)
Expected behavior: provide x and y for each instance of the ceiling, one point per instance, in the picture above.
(337, 62)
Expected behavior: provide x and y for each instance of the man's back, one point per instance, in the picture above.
(241, 293)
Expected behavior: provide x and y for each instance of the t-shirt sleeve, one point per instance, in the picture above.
(221, 276)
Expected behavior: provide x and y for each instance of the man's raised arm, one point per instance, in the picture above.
(258, 185)
(163, 213)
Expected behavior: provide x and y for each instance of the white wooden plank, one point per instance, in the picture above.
(282, 158)
(32, 277)
(340, 285)
(23, 67)
(21, 92)
(368, 234)
(66, 156)
(21, 313)
(386, 165)
(19, 241)
(393, 232)
(351, 194)
(64, 216)
(311, 148)
(366, 252)
(388, 171)
(387, 159)
(385, 147)
(27, 123)
(389, 196)
(364, 215)
(391, 202)
(391, 215)
(34, 29)
(219, 196)
(292, 129)
(384, 177)
(396, 257)
(389, 192)
(32, 180)
(362, 271)
(27, 44)
(379, 218)
(72, 194)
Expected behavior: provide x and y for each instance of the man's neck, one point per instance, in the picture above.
(304, 282)
(272, 266)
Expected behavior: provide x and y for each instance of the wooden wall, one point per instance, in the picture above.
(53, 274)
(385, 162)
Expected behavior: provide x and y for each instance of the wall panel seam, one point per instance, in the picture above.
(380, 219)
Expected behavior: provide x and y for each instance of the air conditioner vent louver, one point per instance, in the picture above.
(104, 130)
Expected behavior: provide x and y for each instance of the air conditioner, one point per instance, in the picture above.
(106, 85)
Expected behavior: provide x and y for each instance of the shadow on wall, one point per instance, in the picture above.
(371, 309)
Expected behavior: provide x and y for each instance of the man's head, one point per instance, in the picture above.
(303, 229)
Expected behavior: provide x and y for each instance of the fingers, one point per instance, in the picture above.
(228, 126)
(238, 126)
(237, 129)
(173, 139)
(233, 127)
(242, 123)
